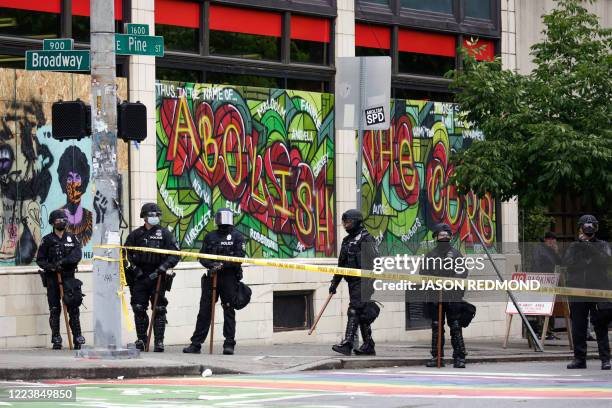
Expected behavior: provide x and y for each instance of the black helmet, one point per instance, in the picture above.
(352, 215)
(442, 228)
(589, 224)
(57, 215)
(224, 216)
(149, 208)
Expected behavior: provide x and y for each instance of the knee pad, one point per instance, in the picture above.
(138, 308)
(54, 310)
(352, 312)
(160, 310)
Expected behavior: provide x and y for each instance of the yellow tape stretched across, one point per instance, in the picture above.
(123, 284)
(566, 291)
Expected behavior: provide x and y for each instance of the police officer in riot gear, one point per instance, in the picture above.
(434, 265)
(358, 251)
(60, 251)
(226, 240)
(142, 275)
(588, 262)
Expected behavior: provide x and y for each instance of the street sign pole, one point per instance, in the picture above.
(105, 180)
(358, 173)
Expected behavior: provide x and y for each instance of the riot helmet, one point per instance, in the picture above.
(588, 224)
(150, 209)
(442, 233)
(58, 219)
(352, 220)
(224, 216)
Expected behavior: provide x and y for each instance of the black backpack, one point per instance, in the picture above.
(73, 295)
(243, 296)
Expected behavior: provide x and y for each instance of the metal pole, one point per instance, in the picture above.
(518, 308)
(105, 180)
(360, 131)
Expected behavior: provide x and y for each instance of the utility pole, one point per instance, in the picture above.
(105, 180)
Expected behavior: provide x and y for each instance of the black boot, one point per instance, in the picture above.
(605, 365)
(75, 326)
(459, 352)
(346, 346)
(159, 328)
(141, 321)
(577, 363)
(192, 349)
(433, 362)
(54, 323)
(367, 348)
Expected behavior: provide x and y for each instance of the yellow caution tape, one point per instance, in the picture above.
(338, 270)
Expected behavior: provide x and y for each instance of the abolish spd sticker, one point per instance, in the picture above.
(375, 116)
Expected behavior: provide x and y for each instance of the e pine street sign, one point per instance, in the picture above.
(61, 60)
(130, 44)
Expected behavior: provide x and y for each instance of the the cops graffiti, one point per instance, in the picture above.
(405, 189)
(265, 153)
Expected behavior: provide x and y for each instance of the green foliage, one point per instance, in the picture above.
(533, 223)
(547, 132)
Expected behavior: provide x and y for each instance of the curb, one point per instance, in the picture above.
(111, 372)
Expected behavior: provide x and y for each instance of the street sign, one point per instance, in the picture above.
(69, 60)
(129, 44)
(58, 44)
(137, 29)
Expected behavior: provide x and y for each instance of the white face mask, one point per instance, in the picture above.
(153, 220)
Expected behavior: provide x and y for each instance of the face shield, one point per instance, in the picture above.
(224, 217)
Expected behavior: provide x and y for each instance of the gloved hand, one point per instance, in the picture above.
(160, 270)
(57, 267)
(217, 266)
(332, 288)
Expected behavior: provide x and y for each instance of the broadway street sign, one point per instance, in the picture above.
(68, 60)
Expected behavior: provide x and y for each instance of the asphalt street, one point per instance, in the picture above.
(542, 384)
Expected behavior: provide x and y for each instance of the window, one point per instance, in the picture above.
(245, 33)
(31, 20)
(441, 6)
(179, 23)
(310, 37)
(372, 40)
(307, 85)
(224, 78)
(12, 61)
(478, 9)
(178, 75)
(425, 53)
(292, 310)
(416, 94)
(385, 2)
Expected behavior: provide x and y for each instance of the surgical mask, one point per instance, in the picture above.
(153, 220)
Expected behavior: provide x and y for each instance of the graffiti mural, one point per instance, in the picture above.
(268, 154)
(404, 180)
(39, 174)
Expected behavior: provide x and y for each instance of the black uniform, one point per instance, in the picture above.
(224, 241)
(451, 300)
(588, 266)
(62, 255)
(142, 279)
(358, 251)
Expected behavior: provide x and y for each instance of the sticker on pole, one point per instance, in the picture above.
(375, 116)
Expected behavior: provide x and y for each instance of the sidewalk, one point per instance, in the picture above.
(36, 364)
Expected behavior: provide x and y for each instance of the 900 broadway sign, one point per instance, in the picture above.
(68, 60)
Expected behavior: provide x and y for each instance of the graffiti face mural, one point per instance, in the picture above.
(405, 180)
(265, 153)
